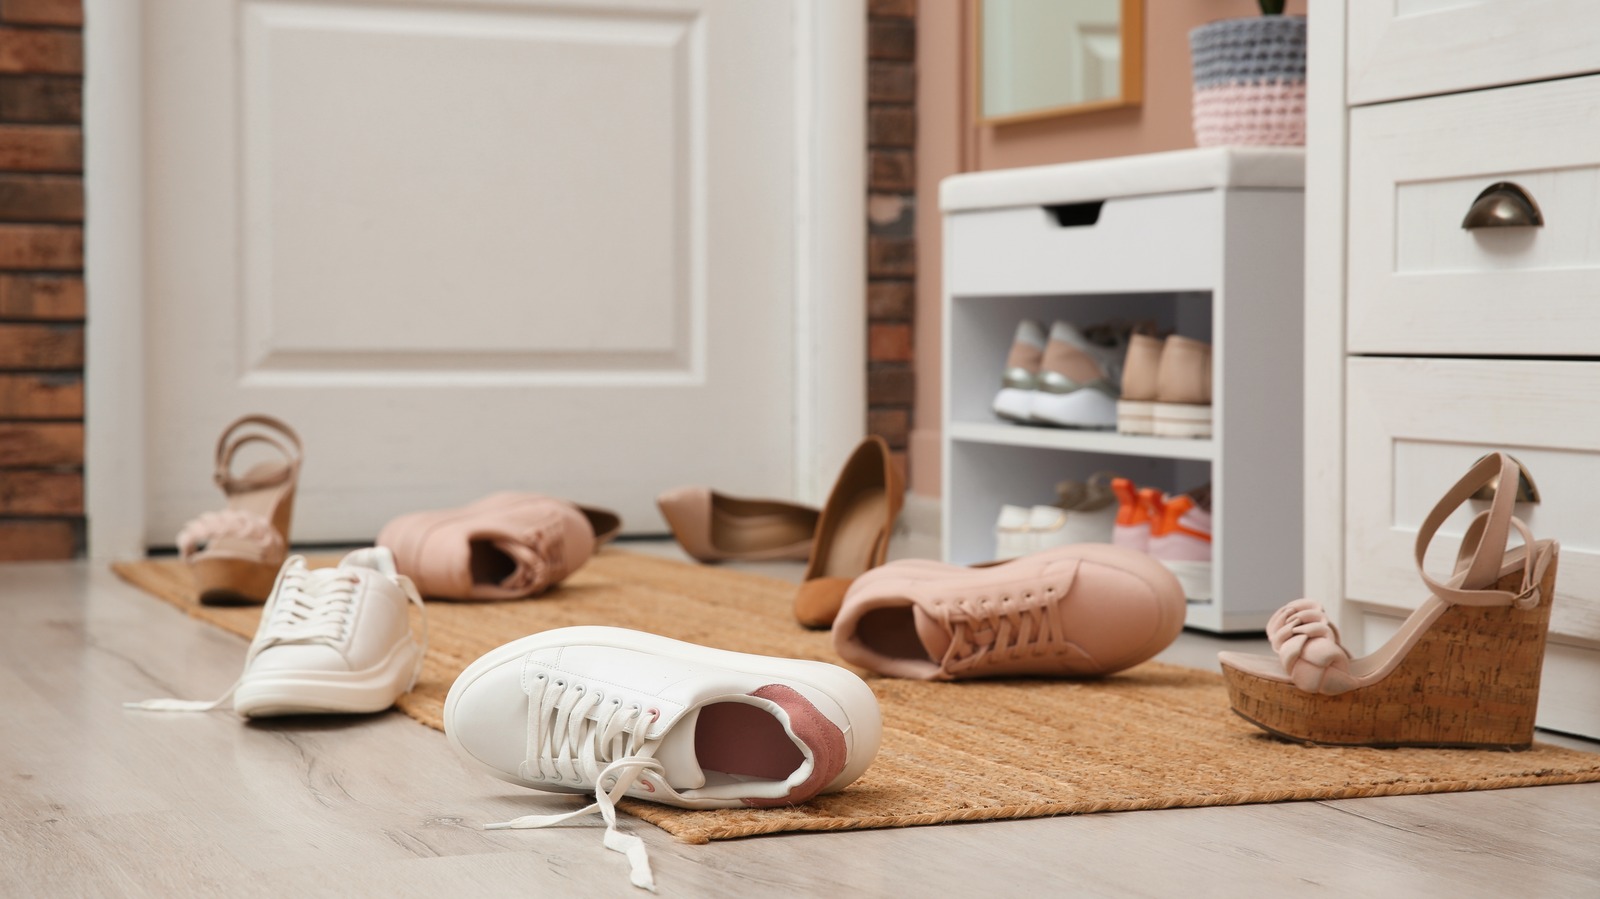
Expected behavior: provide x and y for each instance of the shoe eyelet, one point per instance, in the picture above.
(655, 714)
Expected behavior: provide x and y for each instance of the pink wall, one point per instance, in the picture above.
(948, 142)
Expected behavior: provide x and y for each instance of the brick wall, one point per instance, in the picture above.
(891, 214)
(41, 279)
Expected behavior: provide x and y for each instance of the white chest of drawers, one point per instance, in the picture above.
(1429, 343)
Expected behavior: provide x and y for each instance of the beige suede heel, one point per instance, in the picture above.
(1464, 669)
(234, 554)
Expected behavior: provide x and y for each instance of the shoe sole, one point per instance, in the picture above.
(1182, 420)
(1085, 408)
(1195, 578)
(1012, 404)
(328, 692)
(863, 728)
(1136, 418)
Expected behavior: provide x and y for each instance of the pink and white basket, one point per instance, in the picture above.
(1250, 81)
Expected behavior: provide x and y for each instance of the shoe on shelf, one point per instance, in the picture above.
(1132, 527)
(1021, 377)
(504, 546)
(1012, 537)
(1074, 611)
(331, 641)
(616, 712)
(716, 527)
(1181, 540)
(1463, 671)
(234, 554)
(1078, 378)
(1140, 368)
(1182, 405)
(853, 533)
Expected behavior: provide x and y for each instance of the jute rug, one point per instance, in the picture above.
(1156, 736)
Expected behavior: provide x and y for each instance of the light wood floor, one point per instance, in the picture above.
(98, 801)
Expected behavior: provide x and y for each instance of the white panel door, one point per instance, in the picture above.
(470, 246)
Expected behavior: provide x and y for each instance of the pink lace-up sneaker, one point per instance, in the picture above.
(1073, 611)
(504, 546)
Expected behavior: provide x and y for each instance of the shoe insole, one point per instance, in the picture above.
(753, 533)
(892, 633)
(854, 546)
(745, 740)
(489, 563)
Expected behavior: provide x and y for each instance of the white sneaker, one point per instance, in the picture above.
(331, 640)
(1078, 380)
(1011, 536)
(620, 713)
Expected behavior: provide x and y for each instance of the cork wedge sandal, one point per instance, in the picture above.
(235, 554)
(1463, 671)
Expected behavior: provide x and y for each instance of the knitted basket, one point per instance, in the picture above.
(1250, 81)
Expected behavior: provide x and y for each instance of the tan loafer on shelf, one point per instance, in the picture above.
(853, 532)
(504, 546)
(1463, 671)
(1073, 611)
(716, 527)
(235, 554)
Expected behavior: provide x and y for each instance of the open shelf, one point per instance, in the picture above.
(1108, 442)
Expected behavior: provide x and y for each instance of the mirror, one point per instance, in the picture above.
(1044, 58)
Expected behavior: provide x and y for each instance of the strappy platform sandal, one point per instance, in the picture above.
(1462, 672)
(235, 554)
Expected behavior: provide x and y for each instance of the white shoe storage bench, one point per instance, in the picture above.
(1206, 242)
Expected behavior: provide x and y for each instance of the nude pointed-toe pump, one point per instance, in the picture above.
(235, 554)
(1463, 671)
(716, 527)
(853, 532)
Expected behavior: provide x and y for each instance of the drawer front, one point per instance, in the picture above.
(1413, 48)
(1414, 426)
(1569, 691)
(1134, 244)
(1421, 283)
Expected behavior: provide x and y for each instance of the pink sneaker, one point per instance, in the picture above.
(1073, 611)
(504, 546)
(1181, 540)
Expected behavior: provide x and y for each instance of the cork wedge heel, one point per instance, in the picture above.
(1464, 669)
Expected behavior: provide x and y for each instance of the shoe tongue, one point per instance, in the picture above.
(676, 754)
(935, 638)
(377, 558)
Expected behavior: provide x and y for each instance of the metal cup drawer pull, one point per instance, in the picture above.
(1527, 490)
(1503, 205)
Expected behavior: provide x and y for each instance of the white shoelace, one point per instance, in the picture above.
(310, 606)
(576, 736)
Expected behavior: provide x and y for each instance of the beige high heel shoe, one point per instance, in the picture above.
(235, 553)
(1462, 672)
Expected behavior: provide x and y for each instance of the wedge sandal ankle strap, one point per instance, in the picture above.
(1483, 547)
(268, 431)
